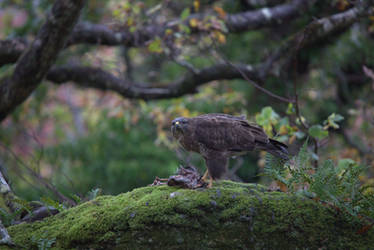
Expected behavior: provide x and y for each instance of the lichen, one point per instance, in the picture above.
(230, 215)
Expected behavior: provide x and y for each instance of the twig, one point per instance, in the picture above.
(280, 98)
(128, 63)
(40, 179)
(305, 127)
(186, 65)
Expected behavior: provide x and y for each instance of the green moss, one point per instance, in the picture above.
(230, 215)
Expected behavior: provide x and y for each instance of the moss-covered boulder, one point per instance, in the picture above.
(228, 216)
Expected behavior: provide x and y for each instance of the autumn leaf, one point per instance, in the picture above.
(283, 130)
(220, 37)
(193, 22)
(342, 5)
(168, 32)
(196, 5)
(220, 11)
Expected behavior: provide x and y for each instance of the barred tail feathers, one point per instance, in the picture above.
(276, 148)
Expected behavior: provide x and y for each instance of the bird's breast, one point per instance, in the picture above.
(189, 143)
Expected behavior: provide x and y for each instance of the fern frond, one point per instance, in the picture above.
(275, 168)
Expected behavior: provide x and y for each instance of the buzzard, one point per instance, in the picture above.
(217, 137)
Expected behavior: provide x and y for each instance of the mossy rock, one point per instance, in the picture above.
(228, 216)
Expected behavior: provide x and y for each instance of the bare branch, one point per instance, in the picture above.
(266, 16)
(188, 84)
(38, 58)
(261, 3)
(316, 31)
(89, 33)
(268, 92)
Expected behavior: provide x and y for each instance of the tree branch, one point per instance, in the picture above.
(253, 4)
(38, 58)
(99, 34)
(266, 16)
(316, 31)
(188, 84)
(240, 22)
(102, 80)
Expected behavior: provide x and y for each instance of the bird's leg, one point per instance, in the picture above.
(205, 176)
(210, 185)
(216, 163)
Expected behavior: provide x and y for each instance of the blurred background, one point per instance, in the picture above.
(80, 138)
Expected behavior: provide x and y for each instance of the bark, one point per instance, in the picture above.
(11, 50)
(228, 216)
(267, 16)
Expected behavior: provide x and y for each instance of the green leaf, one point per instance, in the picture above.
(185, 13)
(155, 46)
(318, 132)
(267, 115)
(49, 202)
(267, 119)
(332, 121)
(290, 109)
(344, 164)
(300, 134)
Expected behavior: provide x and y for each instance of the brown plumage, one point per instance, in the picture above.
(217, 137)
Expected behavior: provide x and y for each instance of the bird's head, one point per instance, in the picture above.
(179, 126)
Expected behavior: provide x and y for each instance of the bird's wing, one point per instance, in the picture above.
(225, 134)
(222, 116)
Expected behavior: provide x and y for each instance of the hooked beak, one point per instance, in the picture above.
(175, 126)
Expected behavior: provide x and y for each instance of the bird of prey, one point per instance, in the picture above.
(217, 137)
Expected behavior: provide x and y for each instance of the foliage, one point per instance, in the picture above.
(55, 204)
(282, 128)
(109, 159)
(80, 139)
(337, 185)
(43, 243)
